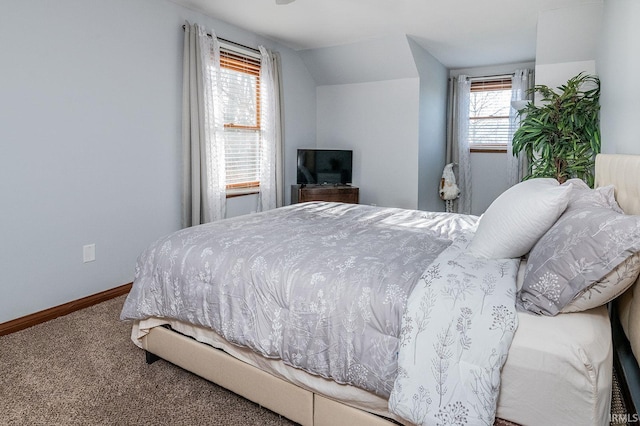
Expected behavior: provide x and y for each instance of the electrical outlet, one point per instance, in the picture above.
(89, 253)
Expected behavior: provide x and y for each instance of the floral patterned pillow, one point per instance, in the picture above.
(585, 244)
(583, 196)
(608, 288)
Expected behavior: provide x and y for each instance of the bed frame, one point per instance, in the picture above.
(308, 408)
(293, 402)
(625, 364)
(623, 171)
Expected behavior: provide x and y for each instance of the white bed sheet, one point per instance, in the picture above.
(559, 369)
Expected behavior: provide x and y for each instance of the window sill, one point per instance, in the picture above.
(240, 192)
(494, 149)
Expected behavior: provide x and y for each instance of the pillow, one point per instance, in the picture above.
(583, 195)
(518, 218)
(571, 259)
(608, 288)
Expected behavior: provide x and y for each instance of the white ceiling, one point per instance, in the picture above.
(459, 33)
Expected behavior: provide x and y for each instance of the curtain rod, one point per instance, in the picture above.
(231, 42)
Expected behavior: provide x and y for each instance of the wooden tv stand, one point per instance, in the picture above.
(336, 193)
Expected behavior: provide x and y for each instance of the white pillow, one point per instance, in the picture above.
(518, 218)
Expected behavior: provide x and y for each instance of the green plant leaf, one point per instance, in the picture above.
(561, 136)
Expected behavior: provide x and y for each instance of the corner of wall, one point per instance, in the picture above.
(432, 125)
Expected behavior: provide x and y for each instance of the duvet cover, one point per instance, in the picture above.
(357, 294)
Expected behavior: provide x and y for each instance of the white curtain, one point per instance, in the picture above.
(204, 189)
(521, 82)
(271, 174)
(458, 139)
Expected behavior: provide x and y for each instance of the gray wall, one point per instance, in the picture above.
(568, 34)
(90, 122)
(379, 122)
(602, 38)
(567, 43)
(385, 99)
(432, 127)
(618, 65)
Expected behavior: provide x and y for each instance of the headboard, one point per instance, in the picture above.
(623, 171)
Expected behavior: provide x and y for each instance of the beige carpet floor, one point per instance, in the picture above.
(83, 369)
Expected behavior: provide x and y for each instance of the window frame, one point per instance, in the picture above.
(247, 62)
(486, 84)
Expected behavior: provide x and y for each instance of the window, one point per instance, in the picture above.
(240, 85)
(489, 106)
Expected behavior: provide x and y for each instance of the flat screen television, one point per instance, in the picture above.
(324, 166)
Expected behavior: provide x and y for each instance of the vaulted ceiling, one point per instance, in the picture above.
(459, 33)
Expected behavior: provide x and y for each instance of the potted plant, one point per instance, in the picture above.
(561, 136)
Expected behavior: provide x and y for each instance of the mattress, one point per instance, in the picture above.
(558, 368)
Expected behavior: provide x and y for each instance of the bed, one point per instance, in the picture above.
(542, 369)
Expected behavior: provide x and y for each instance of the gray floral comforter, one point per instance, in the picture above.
(457, 329)
(321, 286)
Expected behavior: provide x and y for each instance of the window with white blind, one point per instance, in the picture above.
(240, 84)
(489, 104)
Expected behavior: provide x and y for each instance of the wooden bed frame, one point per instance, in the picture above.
(308, 408)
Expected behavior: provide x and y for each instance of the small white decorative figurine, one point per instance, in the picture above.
(449, 191)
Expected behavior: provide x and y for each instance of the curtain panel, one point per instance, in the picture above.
(271, 168)
(204, 192)
(521, 84)
(458, 139)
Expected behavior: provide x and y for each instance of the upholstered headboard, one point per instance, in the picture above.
(623, 171)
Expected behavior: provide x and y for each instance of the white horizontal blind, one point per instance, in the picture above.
(240, 82)
(489, 104)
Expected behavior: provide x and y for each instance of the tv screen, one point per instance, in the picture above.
(324, 166)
